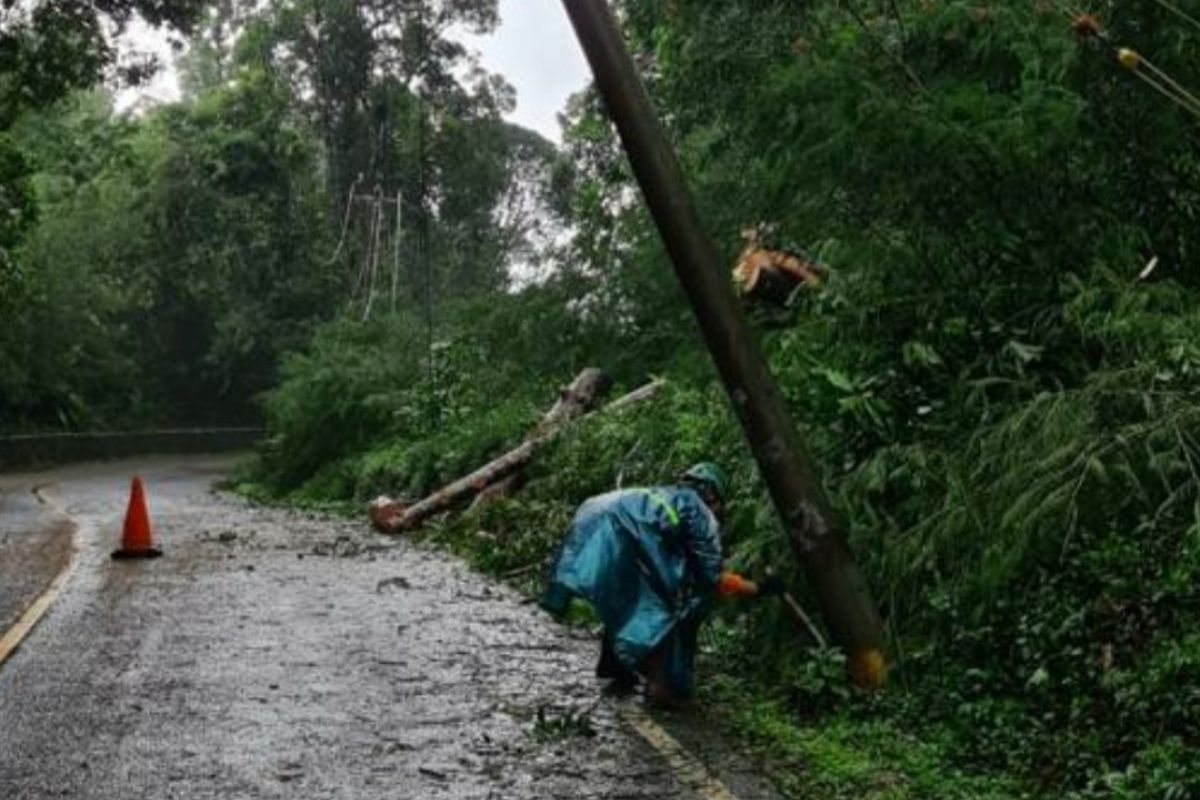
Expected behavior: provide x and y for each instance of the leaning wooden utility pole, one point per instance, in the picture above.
(815, 535)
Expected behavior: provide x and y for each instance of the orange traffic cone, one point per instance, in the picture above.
(135, 538)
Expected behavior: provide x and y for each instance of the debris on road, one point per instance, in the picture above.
(562, 725)
(341, 547)
(397, 582)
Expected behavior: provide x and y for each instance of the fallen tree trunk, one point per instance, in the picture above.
(390, 516)
(510, 484)
(578, 397)
(636, 396)
(501, 488)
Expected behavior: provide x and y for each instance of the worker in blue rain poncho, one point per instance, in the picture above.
(649, 561)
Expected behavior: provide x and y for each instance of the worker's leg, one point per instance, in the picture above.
(668, 669)
(610, 666)
(659, 691)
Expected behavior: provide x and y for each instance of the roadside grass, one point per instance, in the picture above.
(837, 756)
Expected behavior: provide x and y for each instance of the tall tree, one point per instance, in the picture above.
(405, 112)
(337, 52)
(47, 49)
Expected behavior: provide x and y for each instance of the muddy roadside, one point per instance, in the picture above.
(35, 546)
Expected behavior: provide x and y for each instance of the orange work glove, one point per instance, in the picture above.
(730, 584)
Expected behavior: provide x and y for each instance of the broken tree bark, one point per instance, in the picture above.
(578, 397)
(772, 276)
(581, 397)
(501, 488)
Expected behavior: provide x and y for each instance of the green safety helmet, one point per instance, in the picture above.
(711, 475)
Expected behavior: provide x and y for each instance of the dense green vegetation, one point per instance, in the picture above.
(154, 268)
(1005, 414)
(174, 257)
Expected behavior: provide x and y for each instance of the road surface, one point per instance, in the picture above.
(271, 654)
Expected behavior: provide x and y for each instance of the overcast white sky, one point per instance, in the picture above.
(534, 48)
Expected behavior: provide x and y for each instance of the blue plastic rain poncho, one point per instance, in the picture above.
(648, 560)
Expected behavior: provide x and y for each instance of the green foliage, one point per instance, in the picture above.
(410, 422)
(181, 254)
(818, 682)
(175, 260)
(1003, 413)
(557, 727)
(1163, 770)
(48, 49)
(18, 209)
(239, 228)
(846, 757)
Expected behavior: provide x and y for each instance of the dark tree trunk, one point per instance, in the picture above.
(815, 533)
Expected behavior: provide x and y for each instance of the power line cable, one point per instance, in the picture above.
(1087, 26)
(345, 222)
(1179, 12)
(396, 239)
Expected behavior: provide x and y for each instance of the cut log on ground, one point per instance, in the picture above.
(390, 516)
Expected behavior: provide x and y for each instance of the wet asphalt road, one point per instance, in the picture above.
(35, 544)
(271, 654)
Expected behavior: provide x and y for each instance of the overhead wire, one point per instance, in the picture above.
(364, 273)
(1179, 12)
(1152, 75)
(345, 222)
(396, 249)
(1087, 26)
(373, 261)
